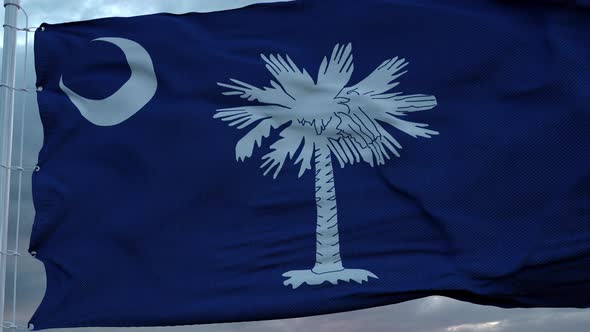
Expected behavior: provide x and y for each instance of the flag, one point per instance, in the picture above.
(311, 157)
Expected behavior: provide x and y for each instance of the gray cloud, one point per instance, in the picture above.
(434, 314)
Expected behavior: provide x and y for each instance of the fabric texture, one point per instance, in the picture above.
(164, 216)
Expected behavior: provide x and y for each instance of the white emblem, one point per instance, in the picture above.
(130, 98)
(326, 120)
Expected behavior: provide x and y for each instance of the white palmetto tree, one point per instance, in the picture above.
(326, 120)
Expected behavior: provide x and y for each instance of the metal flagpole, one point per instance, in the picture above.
(7, 82)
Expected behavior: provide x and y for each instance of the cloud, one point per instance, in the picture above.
(477, 327)
(51, 11)
(432, 304)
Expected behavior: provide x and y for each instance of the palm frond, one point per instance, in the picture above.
(274, 95)
(285, 148)
(380, 80)
(348, 149)
(253, 139)
(413, 129)
(362, 138)
(268, 117)
(401, 104)
(359, 126)
(295, 82)
(335, 73)
(387, 108)
(246, 115)
(361, 131)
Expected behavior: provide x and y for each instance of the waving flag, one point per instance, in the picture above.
(310, 157)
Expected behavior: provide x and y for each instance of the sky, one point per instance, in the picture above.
(433, 314)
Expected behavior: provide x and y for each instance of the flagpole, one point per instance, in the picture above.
(7, 82)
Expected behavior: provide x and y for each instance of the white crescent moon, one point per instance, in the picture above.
(130, 98)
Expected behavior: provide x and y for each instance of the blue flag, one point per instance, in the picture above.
(311, 157)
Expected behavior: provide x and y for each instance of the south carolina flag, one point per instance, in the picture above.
(311, 157)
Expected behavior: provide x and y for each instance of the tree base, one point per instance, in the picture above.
(298, 277)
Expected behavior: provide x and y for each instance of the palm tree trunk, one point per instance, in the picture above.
(327, 239)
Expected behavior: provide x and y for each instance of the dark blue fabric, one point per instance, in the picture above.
(154, 222)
